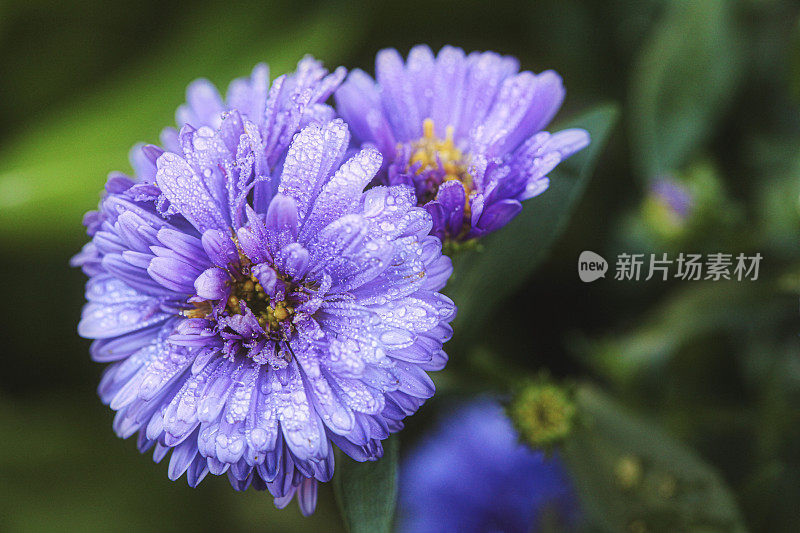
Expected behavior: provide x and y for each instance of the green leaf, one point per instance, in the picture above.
(632, 476)
(682, 80)
(483, 278)
(53, 171)
(367, 492)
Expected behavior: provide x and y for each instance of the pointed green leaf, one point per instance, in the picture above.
(684, 76)
(483, 278)
(631, 476)
(367, 492)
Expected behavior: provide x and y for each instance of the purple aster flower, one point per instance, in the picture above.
(256, 306)
(463, 130)
(473, 475)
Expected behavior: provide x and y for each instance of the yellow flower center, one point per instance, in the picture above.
(268, 313)
(433, 153)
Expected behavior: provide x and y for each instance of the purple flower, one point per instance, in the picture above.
(256, 306)
(463, 130)
(472, 475)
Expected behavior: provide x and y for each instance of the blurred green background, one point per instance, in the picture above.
(708, 92)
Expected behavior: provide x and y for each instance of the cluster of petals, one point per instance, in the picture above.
(465, 130)
(267, 287)
(257, 305)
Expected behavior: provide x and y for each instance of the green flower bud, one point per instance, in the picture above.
(543, 414)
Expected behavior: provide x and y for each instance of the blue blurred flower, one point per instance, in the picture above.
(252, 328)
(473, 475)
(463, 130)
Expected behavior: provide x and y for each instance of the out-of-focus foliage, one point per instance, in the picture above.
(49, 167)
(61, 469)
(633, 477)
(709, 94)
(682, 78)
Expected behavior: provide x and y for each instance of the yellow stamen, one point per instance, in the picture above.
(427, 128)
(280, 312)
(200, 310)
(430, 152)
